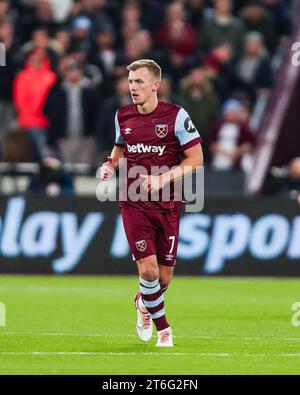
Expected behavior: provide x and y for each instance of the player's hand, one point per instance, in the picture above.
(152, 183)
(107, 170)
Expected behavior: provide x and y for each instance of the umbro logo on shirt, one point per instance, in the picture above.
(128, 130)
(144, 149)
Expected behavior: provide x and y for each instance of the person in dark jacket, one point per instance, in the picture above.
(258, 19)
(52, 179)
(201, 101)
(254, 71)
(223, 26)
(7, 75)
(284, 181)
(106, 118)
(72, 107)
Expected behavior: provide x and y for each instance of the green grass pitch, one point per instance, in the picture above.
(86, 325)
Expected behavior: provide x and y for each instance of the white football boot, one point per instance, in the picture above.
(144, 326)
(165, 338)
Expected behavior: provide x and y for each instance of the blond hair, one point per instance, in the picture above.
(150, 64)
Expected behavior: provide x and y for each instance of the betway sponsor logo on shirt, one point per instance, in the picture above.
(142, 148)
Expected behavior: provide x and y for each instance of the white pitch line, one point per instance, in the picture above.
(83, 353)
(67, 334)
(87, 353)
(32, 333)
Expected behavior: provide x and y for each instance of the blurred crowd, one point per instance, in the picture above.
(66, 76)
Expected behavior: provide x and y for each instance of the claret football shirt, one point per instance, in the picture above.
(155, 139)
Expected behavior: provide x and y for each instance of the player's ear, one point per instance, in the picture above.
(156, 86)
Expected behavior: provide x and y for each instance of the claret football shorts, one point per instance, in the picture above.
(152, 233)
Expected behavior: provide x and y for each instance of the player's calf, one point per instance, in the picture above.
(165, 276)
(153, 299)
(164, 288)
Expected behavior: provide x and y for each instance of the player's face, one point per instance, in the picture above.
(143, 85)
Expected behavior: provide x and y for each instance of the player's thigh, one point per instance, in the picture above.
(141, 233)
(167, 241)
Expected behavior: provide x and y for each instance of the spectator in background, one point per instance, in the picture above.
(40, 39)
(195, 10)
(222, 27)
(62, 38)
(144, 42)
(51, 179)
(238, 5)
(123, 31)
(201, 101)
(230, 138)
(137, 47)
(254, 71)
(177, 35)
(62, 67)
(128, 29)
(81, 35)
(106, 119)
(219, 67)
(40, 14)
(166, 92)
(90, 71)
(131, 11)
(95, 11)
(61, 9)
(178, 39)
(30, 91)
(152, 13)
(104, 53)
(105, 56)
(284, 181)
(280, 13)
(6, 11)
(7, 75)
(72, 107)
(44, 12)
(18, 147)
(130, 22)
(256, 18)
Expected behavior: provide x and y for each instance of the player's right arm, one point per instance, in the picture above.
(108, 168)
(115, 155)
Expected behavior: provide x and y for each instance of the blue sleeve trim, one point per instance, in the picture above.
(185, 130)
(119, 138)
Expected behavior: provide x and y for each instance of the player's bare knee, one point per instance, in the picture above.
(148, 268)
(149, 274)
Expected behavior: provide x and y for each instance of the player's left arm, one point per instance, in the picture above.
(193, 160)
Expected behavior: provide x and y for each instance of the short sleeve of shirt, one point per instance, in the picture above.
(119, 139)
(185, 131)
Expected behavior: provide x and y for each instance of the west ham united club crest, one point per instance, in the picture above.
(161, 130)
(141, 245)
